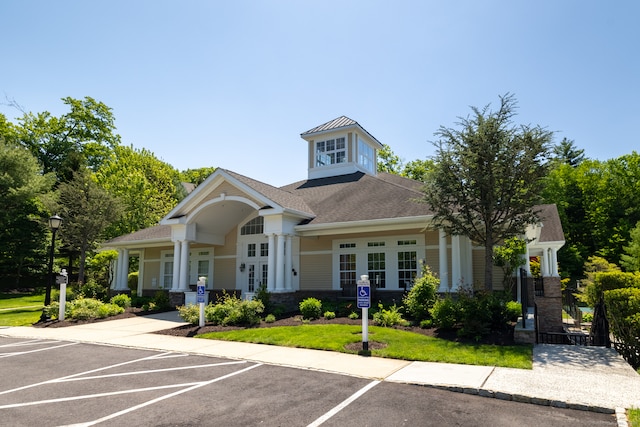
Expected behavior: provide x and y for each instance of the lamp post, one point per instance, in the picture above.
(54, 223)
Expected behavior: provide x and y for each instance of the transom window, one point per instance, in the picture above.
(331, 151)
(251, 250)
(255, 226)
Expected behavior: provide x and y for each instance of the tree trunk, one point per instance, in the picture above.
(488, 266)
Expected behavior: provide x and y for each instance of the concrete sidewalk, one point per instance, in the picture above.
(587, 378)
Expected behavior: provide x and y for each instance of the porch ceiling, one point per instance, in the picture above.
(220, 218)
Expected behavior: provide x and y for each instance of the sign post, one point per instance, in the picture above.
(201, 297)
(363, 299)
(62, 279)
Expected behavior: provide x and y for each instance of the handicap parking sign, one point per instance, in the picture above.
(363, 297)
(200, 294)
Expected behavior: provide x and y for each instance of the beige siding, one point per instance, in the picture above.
(432, 237)
(151, 271)
(315, 272)
(478, 272)
(433, 261)
(229, 190)
(230, 243)
(312, 244)
(224, 273)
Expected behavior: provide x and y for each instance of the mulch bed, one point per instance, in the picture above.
(499, 338)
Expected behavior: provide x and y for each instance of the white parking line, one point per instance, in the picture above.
(86, 372)
(150, 371)
(20, 353)
(29, 342)
(344, 404)
(161, 398)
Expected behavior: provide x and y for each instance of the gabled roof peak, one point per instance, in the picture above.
(340, 122)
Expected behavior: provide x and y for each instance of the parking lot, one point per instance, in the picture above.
(65, 383)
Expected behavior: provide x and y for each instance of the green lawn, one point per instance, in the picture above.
(20, 309)
(400, 344)
(634, 417)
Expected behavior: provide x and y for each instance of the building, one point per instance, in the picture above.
(315, 236)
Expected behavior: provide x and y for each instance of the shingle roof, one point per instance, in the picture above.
(283, 198)
(157, 232)
(552, 229)
(360, 197)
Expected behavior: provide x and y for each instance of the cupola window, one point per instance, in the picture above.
(331, 151)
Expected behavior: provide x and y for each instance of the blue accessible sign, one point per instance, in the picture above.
(363, 291)
(200, 294)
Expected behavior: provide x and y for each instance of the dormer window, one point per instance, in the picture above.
(366, 156)
(331, 151)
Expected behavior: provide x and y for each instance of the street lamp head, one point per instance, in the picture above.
(55, 222)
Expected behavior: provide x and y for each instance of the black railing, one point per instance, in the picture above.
(538, 286)
(569, 338)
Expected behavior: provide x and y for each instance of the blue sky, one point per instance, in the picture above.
(233, 84)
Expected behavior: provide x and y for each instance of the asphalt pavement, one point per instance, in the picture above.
(587, 378)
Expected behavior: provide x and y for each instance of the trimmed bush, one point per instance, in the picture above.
(93, 290)
(270, 318)
(84, 309)
(329, 315)
(311, 308)
(422, 295)
(353, 315)
(445, 313)
(121, 300)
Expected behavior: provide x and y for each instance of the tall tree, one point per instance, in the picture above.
(147, 187)
(487, 177)
(196, 176)
(388, 161)
(87, 210)
(22, 230)
(630, 259)
(418, 169)
(567, 152)
(85, 136)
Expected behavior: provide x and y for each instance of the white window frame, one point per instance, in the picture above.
(390, 248)
(323, 154)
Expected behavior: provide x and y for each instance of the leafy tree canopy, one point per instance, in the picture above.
(84, 136)
(487, 177)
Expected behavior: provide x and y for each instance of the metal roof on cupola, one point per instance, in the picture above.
(340, 123)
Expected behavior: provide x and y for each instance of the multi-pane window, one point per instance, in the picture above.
(265, 274)
(251, 250)
(407, 268)
(347, 269)
(376, 268)
(255, 226)
(251, 284)
(331, 151)
(366, 156)
(167, 273)
(264, 249)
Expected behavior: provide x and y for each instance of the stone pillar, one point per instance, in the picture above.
(184, 266)
(280, 264)
(550, 306)
(175, 285)
(443, 261)
(271, 265)
(288, 273)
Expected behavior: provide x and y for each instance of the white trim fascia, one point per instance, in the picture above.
(544, 245)
(340, 129)
(364, 226)
(141, 244)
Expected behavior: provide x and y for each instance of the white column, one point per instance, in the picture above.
(184, 266)
(467, 267)
(176, 266)
(456, 264)
(288, 273)
(444, 262)
(546, 271)
(527, 263)
(271, 265)
(118, 273)
(554, 263)
(280, 264)
(140, 273)
(125, 270)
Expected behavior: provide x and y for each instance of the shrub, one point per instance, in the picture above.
(329, 315)
(93, 290)
(426, 324)
(264, 296)
(270, 318)
(390, 317)
(513, 310)
(71, 294)
(311, 308)
(190, 313)
(445, 313)
(121, 300)
(84, 309)
(587, 317)
(132, 282)
(353, 315)
(623, 312)
(161, 301)
(422, 295)
(230, 310)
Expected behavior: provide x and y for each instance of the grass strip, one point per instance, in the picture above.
(399, 344)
